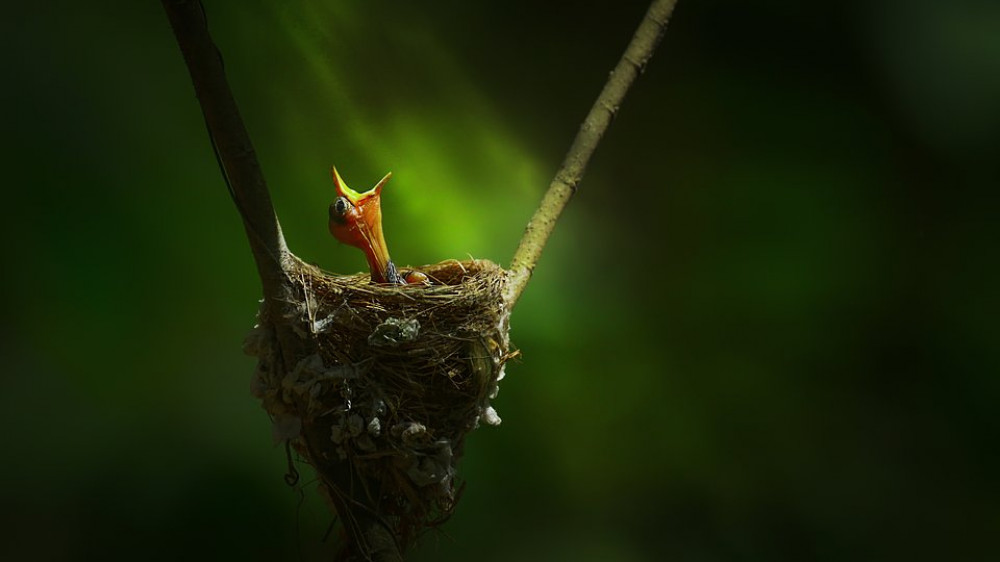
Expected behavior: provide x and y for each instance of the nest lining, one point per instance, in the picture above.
(393, 376)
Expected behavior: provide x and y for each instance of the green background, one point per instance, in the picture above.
(765, 328)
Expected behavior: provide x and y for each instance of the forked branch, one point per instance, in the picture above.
(564, 184)
(368, 536)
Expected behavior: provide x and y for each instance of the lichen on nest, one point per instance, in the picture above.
(394, 377)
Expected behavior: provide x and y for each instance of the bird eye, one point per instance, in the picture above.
(339, 209)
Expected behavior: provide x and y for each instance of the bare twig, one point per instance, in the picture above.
(540, 227)
(232, 143)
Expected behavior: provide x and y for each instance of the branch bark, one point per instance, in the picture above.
(232, 144)
(565, 182)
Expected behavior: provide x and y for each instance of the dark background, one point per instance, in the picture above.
(765, 329)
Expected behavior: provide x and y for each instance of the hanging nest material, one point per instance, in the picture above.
(386, 383)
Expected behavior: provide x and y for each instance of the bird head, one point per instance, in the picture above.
(356, 220)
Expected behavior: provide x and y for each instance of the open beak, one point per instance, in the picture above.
(360, 225)
(374, 247)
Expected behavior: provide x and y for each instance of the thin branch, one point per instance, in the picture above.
(563, 186)
(232, 144)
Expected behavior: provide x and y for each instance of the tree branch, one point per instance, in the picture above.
(369, 538)
(563, 186)
(232, 144)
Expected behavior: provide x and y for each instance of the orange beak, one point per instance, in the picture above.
(356, 220)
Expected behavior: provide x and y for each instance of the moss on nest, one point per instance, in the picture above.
(387, 381)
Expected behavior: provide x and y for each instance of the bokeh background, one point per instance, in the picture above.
(765, 329)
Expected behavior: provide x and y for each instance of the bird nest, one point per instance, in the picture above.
(386, 382)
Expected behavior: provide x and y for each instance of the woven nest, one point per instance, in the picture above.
(389, 381)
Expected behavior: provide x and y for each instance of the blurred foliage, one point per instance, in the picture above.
(764, 330)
